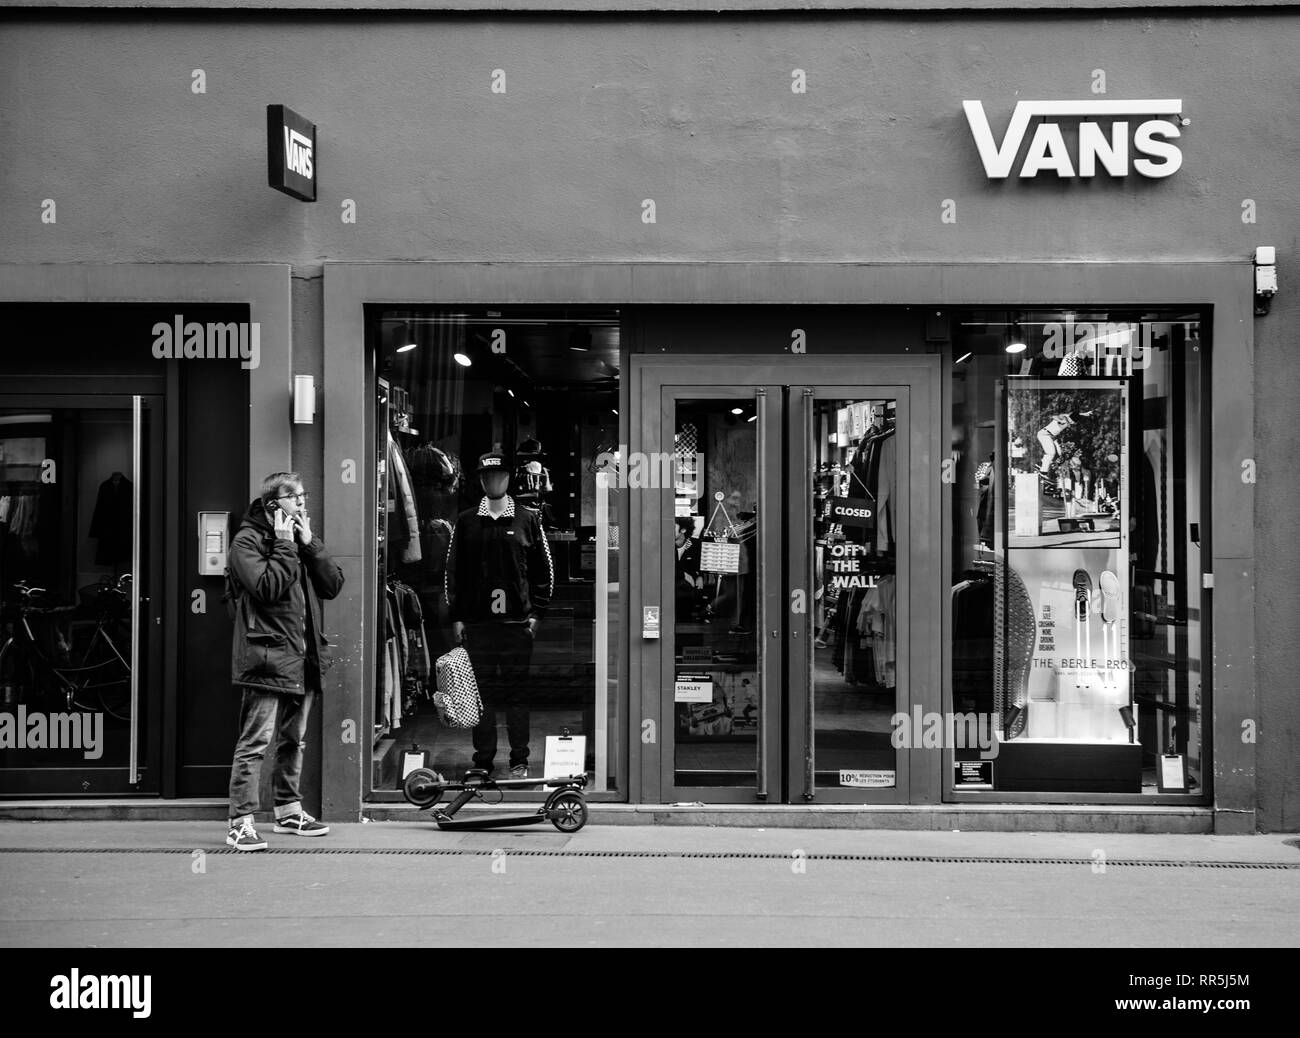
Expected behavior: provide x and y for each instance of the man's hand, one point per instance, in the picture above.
(458, 632)
(284, 525)
(304, 527)
(532, 627)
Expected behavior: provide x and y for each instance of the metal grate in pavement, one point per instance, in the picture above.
(524, 852)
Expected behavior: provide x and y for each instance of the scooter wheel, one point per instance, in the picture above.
(422, 788)
(568, 811)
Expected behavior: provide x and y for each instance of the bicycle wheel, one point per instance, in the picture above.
(21, 668)
(103, 674)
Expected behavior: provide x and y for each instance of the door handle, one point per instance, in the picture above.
(137, 606)
(810, 660)
(760, 589)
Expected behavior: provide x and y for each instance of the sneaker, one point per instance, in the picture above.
(301, 824)
(1082, 593)
(243, 837)
(1109, 584)
(519, 771)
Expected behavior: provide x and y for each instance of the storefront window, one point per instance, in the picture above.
(1076, 611)
(498, 532)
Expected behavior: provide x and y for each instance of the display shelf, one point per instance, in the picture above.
(726, 668)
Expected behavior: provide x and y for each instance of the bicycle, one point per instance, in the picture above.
(101, 671)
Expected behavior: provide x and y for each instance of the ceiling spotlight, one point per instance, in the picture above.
(1017, 347)
(403, 334)
(511, 392)
(737, 410)
(461, 359)
(752, 418)
(961, 358)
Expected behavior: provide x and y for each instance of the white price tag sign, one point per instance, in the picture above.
(867, 779)
(719, 557)
(693, 688)
(566, 756)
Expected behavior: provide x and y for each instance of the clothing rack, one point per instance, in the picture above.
(407, 665)
(865, 629)
(887, 429)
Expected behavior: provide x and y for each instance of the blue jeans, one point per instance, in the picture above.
(257, 722)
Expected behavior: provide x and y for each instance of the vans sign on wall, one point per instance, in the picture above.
(1152, 153)
(291, 152)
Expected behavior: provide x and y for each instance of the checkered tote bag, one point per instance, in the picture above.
(457, 698)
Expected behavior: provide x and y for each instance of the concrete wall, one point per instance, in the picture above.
(696, 112)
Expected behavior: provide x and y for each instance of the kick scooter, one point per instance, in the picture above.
(565, 808)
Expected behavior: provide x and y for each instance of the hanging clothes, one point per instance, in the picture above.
(880, 621)
(985, 516)
(886, 489)
(111, 522)
(873, 473)
(24, 510)
(407, 663)
(972, 640)
(407, 533)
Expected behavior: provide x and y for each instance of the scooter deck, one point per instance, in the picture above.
(491, 822)
(523, 783)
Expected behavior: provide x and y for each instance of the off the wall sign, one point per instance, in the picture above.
(1097, 150)
(291, 153)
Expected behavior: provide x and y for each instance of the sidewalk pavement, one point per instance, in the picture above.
(424, 836)
(398, 885)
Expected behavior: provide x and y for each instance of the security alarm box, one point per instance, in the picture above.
(213, 533)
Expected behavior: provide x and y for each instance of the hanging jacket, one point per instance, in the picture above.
(278, 622)
(111, 523)
(405, 501)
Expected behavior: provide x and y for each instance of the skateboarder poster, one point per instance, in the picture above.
(1066, 462)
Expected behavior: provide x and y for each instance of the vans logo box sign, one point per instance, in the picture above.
(291, 153)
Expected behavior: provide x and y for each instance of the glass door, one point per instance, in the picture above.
(80, 531)
(787, 540)
(847, 529)
(721, 588)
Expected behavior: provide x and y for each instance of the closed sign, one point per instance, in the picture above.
(852, 511)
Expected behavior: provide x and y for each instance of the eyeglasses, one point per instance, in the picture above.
(289, 497)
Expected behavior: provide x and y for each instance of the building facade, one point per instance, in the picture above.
(900, 393)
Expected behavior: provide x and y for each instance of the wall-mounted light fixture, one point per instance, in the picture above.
(304, 399)
(1265, 278)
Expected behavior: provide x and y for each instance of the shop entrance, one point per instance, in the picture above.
(80, 652)
(795, 559)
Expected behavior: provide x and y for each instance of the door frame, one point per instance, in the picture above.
(707, 376)
(152, 739)
(801, 759)
(771, 651)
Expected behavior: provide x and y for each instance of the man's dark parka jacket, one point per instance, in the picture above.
(281, 584)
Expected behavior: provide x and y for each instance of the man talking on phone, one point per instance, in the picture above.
(280, 573)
